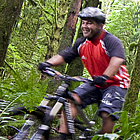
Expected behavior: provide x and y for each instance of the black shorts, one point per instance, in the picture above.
(110, 99)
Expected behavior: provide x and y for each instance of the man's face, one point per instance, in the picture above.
(90, 28)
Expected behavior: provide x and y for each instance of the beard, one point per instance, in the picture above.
(92, 34)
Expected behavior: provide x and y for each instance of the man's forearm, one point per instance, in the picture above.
(113, 66)
(56, 60)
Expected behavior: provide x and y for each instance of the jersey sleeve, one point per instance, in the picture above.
(71, 52)
(114, 47)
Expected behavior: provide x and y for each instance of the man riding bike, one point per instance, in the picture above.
(103, 56)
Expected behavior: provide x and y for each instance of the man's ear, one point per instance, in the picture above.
(101, 25)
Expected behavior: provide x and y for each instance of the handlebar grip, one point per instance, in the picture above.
(50, 73)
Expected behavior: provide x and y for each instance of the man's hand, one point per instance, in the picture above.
(100, 80)
(42, 66)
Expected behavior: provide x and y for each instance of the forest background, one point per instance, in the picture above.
(34, 30)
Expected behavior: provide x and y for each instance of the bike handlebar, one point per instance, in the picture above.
(66, 78)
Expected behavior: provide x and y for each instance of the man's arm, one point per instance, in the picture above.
(56, 60)
(113, 66)
(111, 70)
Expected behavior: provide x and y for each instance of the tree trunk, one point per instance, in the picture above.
(9, 12)
(69, 28)
(132, 95)
(67, 37)
(70, 25)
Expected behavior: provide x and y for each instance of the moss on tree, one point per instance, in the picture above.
(9, 12)
(132, 95)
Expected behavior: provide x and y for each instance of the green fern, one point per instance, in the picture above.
(27, 91)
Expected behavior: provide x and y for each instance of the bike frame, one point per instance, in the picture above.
(44, 128)
(57, 107)
(60, 102)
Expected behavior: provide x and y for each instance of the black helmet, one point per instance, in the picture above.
(93, 12)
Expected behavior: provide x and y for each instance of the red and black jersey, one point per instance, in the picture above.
(96, 54)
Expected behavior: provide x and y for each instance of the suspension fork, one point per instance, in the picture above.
(62, 101)
(57, 106)
(44, 129)
(70, 120)
(67, 106)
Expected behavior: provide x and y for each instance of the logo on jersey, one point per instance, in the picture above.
(83, 57)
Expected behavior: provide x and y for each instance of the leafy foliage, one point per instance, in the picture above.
(130, 127)
(27, 91)
(123, 22)
(36, 34)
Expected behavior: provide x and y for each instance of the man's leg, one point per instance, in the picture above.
(113, 98)
(107, 123)
(63, 128)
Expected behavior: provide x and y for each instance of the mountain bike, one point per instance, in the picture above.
(46, 114)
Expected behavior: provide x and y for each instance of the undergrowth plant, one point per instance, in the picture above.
(129, 127)
(27, 91)
(19, 90)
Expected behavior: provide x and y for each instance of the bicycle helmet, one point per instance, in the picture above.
(93, 12)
